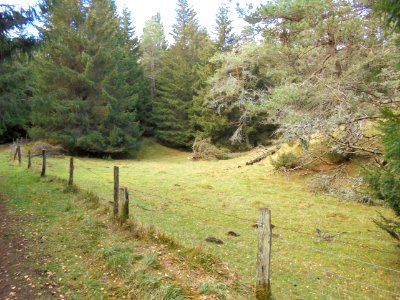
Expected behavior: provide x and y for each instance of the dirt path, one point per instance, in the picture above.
(15, 271)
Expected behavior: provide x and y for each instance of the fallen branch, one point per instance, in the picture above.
(262, 156)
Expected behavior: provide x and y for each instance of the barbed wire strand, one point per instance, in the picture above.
(346, 257)
(339, 241)
(311, 291)
(254, 222)
(317, 277)
(334, 273)
(195, 206)
(361, 283)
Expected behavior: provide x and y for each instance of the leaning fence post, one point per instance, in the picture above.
(71, 172)
(29, 159)
(19, 154)
(116, 190)
(43, 163)
(263, 287)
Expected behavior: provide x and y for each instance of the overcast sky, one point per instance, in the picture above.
(142, 10)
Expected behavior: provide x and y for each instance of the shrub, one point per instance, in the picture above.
(203, 149)
(285, 161)
(50, 149)
(384, 182)
(336, 157)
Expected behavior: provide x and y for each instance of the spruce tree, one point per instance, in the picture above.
(385, 181)
(15, 90)
(179, 79)
(152, 46)
(223, 29)
(87, 80)
(134, 74)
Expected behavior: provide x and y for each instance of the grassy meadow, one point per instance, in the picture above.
(192, 200)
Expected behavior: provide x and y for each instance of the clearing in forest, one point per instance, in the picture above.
(322, 247)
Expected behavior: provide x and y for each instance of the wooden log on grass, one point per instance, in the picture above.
(43, 163)
(263, 287)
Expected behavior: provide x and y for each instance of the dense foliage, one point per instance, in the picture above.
(87, 79)
(385, 180)
(321, 66)
(179, 79)
(15, 88)
(153, 46)
(301, 69)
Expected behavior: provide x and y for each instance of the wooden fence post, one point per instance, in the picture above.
(29, 159)
(19, 154)
(15, 151)
(43, 163)
(121, 204)
(124, 198)
(116, 190)
(263, 287)
(126, 205)
(71, 171)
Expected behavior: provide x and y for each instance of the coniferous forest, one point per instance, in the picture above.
(299, 69)
(89, 82)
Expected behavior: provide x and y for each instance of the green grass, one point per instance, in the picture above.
(81, 253)
(171, 188)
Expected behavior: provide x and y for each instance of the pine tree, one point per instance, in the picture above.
(152, 46)
(87, 80)
(225, 37)
(179, 79)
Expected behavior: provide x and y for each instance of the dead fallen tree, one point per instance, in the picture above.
(263, 156)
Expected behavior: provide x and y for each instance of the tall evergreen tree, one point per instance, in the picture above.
(87, 80)
(135, 76)
(15, 89)
(224, 29)
(12, 20)
(384, 181)
(179, 79)
(153, 46)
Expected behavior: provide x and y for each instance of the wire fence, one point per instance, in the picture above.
(323, 283)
